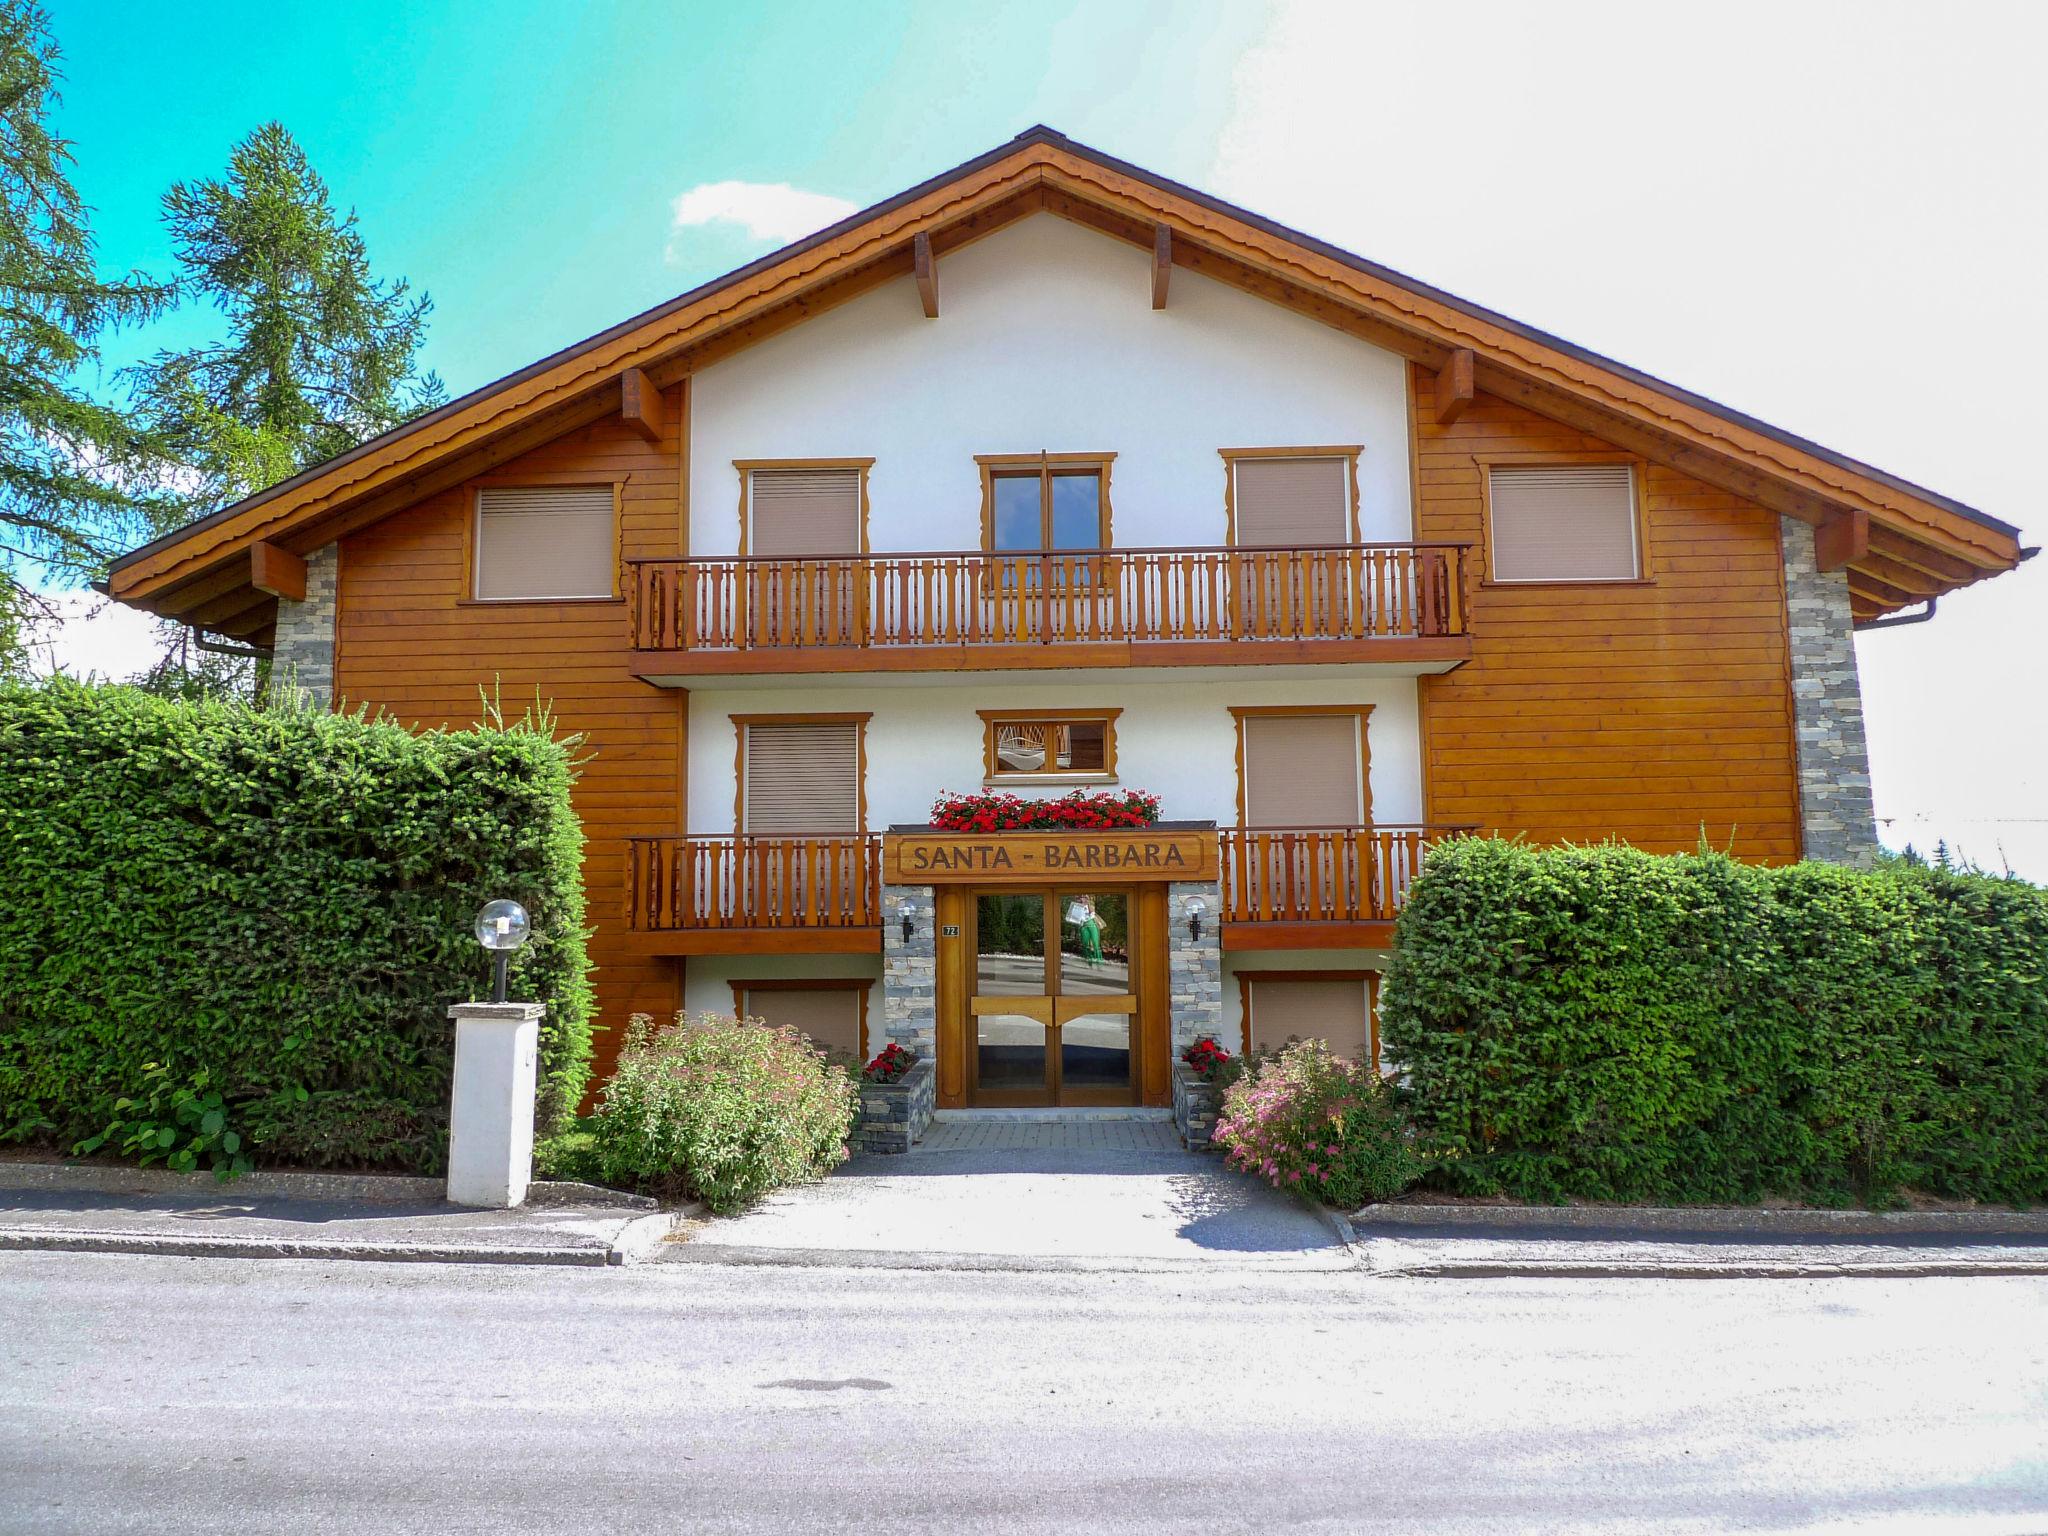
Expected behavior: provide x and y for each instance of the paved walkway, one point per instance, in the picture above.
(1126, 1135)
(1115, 1194)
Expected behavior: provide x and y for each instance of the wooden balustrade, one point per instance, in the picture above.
(1322, 874)
(675, 883)
(1341, 592)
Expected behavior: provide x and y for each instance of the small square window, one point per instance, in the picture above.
(1025, 744)
(1563, 522)
(545, 542)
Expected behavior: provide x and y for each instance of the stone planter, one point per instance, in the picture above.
(893, 1116)
(1195, 1107)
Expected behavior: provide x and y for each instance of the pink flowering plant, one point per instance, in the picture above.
(722, 1110)
(1318, 1124)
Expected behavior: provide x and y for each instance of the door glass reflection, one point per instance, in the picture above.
(1095, 1051)
(1009, 942)
(1095, 945)
(1010, 1050)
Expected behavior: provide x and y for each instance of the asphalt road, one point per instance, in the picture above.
(162, 1395)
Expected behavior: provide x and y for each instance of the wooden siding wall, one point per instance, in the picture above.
(409, 644)
(1637, 711)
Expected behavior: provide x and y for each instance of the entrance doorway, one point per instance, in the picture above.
(1052, 1002)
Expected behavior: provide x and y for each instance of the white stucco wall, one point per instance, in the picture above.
(1175, 738)
(1046, 339)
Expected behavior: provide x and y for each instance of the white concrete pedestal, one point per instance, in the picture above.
(490, 1121)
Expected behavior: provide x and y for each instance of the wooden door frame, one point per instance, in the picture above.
(956, 1003)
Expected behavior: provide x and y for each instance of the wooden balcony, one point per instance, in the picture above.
(1397, 603)
(1283, 888)
(1319, 887)
(755, 895)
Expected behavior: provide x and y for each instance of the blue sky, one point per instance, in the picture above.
(520, 160)
(1827, 214)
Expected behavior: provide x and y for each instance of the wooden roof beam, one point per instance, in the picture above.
(927, 271)
(1454, 386)
(640, 404)
(1881, 591)
(1841, 538)
(1162, 263)
(1904, 577)
(277, 571)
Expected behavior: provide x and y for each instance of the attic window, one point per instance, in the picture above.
(1563, 522)
(546, 541)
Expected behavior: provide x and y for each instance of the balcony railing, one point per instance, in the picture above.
(1322, 874)
(1270, 875)
(1348, 592)
(678, 883)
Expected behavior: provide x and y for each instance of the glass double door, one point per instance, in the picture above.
(1053, 1010)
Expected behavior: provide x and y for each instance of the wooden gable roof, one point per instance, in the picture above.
(1901, 543)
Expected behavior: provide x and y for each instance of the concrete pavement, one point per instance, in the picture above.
(222, 1220)
(1119, 1195)
(163, 1396)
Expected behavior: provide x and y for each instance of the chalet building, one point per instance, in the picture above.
(1052, 474)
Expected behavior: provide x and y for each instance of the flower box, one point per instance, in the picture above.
(1196, 1104)
(895, 1114)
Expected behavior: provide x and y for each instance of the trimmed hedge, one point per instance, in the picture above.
(250, 923)
(1610, 1024)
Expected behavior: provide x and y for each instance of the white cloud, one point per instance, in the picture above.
(92, 636)
(1824, 215)
(772, 211)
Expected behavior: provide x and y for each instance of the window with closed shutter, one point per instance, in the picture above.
(1295, 503)
(1563, 522)
(803, 512)
(541, 541)
(830, 1016)
(1337, 1012)
(1302, 771)
(802, 778)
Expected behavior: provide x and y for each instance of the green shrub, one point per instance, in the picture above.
(721, 1110)
(1610, 1024)
(1321, 1125)
(264, 915)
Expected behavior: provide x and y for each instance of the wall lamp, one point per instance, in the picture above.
(908, 912)
(502, 927)
(1194, 906)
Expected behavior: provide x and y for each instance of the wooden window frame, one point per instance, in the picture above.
(746, 468)
(1231, 457)
(992, 774)
(862, 985)
(992, 465)
(1366, 974)
(740, 723)
(472, 525)
(1638, 485)
(1239, 713)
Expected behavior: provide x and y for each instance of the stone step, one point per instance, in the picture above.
(1056, 1116)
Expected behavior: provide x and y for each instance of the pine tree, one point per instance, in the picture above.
(69, 463)
(318, 355)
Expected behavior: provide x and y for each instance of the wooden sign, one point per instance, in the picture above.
(1046, 858)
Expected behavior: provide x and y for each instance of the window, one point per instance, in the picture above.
(1045, 503)
(800, 775)
(1563, 522)
(545, 541)
(833, 1013)
(1340, 1008)
(1293, 498)
(815, 508)
(1302, 767)
(1046, 743)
